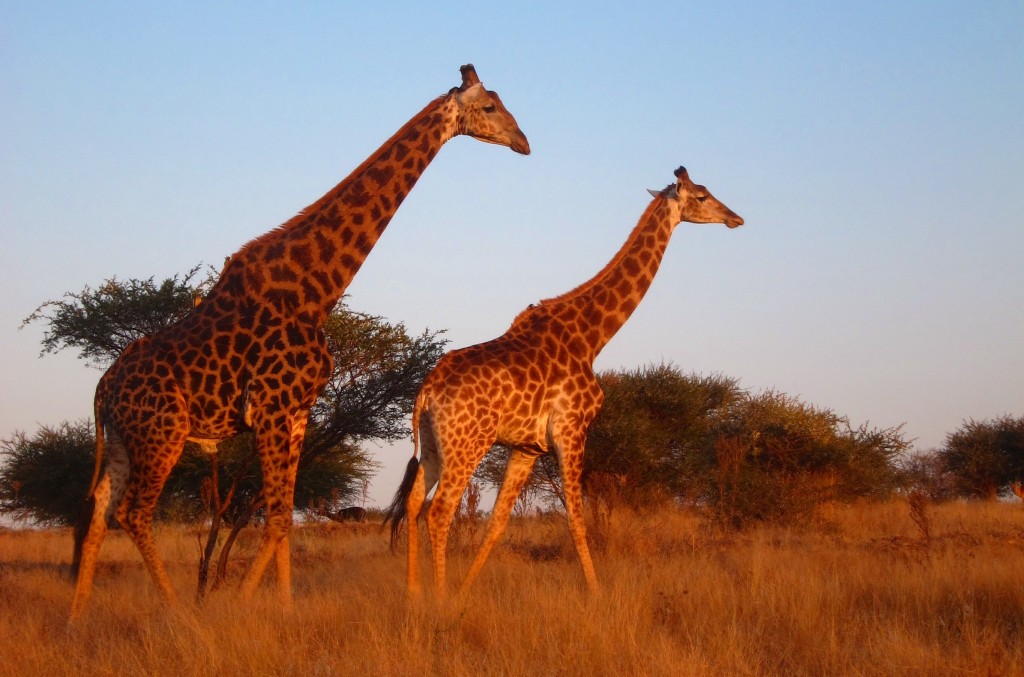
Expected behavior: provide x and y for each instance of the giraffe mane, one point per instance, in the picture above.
(347, 181)
(583, 288)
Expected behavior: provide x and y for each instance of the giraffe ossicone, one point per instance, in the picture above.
(253, 355)
(533, 389)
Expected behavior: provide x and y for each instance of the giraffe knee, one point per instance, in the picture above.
(121, 515)
(134, 521)
(277, 525)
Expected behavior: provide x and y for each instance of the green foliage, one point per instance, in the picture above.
(99, 323)
(44, 478)
(985, 456)
(777, 459)
(378, 368)
(654, 426)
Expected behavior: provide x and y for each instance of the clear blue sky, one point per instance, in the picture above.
(875, 149)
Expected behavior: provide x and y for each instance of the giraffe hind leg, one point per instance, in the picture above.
(135, 511)
(517, 471)
(445, 504)
(90, 548)
(413, 505)
(424, 479)
(107, 495)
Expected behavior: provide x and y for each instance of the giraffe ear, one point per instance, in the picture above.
(668, 192)
(469, 77)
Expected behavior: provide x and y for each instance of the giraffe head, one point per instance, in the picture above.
(695, 203)
(482, 115)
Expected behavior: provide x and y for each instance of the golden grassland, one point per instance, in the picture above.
(868, 589)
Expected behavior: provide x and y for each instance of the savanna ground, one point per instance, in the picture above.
(869, 589)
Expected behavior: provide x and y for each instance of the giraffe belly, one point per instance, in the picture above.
(525, 430)
(210, 419)
(207, 446)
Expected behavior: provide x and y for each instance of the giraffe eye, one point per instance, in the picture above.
(702, 197)
(490, 109)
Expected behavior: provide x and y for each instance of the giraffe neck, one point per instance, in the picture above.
(593, 312)
(305, 265)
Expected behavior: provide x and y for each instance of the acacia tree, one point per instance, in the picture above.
(45, 476)
(775, 458)
(985, 457)
(926, 473)
(98, 323)
(653, 429)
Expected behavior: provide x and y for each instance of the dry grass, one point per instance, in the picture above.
(869, 590)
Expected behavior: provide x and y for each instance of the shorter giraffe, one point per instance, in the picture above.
(533, 390)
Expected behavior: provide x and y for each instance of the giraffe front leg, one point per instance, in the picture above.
(135, 511)
(283, 563)
(570, 456)
(273, 534)
(273, 545)
(279, 461)
(300, 420)
(520, 464)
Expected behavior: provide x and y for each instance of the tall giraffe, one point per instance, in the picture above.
(533, 389)
(253, 354)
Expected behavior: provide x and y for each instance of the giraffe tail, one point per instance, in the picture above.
(396, 512)
(81, 529)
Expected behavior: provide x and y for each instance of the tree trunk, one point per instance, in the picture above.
(243, 519)
(217, 508)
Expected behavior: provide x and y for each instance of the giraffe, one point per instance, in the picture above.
(253, 355)
(533, 390)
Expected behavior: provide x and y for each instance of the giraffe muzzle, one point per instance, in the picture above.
(520, 144)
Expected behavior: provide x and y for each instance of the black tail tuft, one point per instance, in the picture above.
(396, 511)
(80, 532)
